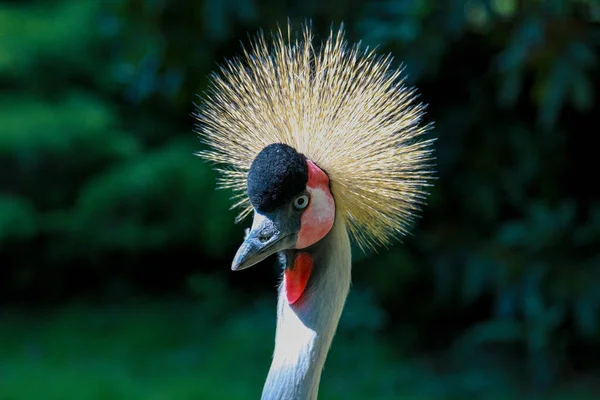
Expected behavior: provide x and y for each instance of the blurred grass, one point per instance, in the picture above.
(176, 350)
(150, 351)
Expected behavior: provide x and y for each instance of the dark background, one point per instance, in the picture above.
(115, 247)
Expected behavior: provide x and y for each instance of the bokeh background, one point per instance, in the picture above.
(115, 246)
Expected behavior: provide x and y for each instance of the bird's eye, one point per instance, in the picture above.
(301, 202)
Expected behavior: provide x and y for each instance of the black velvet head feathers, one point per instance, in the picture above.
(277, 174)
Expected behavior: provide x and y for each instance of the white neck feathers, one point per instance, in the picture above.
(305, 330)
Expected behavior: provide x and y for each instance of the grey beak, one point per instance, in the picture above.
(263, 240)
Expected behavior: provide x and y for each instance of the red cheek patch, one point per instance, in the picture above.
(296, 278)
(317, 220)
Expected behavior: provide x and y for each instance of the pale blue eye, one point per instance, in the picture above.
(301, 202)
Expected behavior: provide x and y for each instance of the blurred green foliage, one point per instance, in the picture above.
(99, 183)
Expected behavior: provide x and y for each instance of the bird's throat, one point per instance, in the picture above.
(296, 276)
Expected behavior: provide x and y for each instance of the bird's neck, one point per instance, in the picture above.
(306, 328)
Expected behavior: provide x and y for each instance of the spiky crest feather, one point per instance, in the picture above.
(344, 108)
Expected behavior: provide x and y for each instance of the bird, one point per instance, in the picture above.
(326, 145)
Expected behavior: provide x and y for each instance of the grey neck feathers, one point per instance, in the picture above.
(305, 331)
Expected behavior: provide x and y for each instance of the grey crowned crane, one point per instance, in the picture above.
(322, 143)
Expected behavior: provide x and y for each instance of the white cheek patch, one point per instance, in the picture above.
(321, 207)
(318, 219)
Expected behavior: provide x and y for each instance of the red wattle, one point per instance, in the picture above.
(296, 278)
